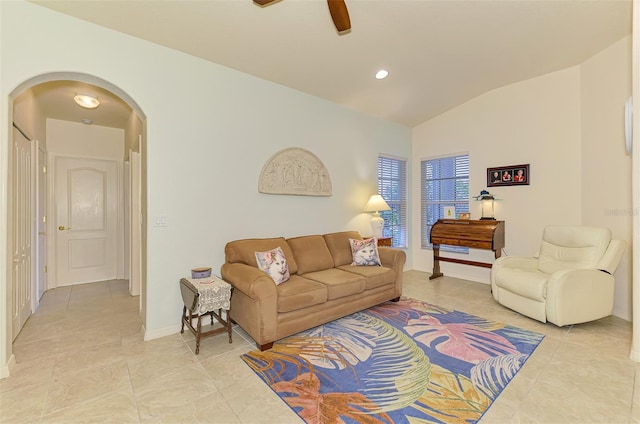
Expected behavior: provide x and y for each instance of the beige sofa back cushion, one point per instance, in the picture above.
(339, 246)
(572, 247)
(311, 253)
(244, 251)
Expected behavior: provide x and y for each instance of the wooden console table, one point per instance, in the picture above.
(478, 234)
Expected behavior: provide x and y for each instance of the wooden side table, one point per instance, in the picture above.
(382, 241)
(202, 297)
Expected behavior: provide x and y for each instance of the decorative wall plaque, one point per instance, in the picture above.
(295, 171)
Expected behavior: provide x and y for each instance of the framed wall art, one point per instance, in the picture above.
(450, 212)
(508, 175)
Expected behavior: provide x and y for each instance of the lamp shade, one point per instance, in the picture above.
(375, 204)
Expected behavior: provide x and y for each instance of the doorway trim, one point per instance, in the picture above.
(6, 337)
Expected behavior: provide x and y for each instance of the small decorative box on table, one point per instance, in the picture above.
(202, 297)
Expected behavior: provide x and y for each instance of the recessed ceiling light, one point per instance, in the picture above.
(87, 100)
(382, 74)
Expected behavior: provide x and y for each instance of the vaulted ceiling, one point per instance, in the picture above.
(439, 54)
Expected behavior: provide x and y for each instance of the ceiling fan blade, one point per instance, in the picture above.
(263, 2)
(339, 14)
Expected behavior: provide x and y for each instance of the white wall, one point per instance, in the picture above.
(209, 131)
(606, 166)
(72, 138)
(568, 126)
(536, 122)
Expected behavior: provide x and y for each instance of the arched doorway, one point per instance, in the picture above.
(29, 110)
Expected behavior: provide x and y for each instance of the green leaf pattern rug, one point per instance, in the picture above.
(399, 362)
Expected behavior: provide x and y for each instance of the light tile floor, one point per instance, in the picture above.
(81, 359)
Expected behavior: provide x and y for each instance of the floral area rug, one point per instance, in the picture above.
(399, 362)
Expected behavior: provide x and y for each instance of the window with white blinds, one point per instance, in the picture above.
(444, 182)
(392, 186)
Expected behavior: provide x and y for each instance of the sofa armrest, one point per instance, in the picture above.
(248, 279)
(254, 302)
(579, 295)
(392, 258)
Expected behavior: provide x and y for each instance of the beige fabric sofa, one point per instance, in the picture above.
(323, 285)
(569, 281)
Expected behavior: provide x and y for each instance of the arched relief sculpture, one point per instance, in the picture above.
(295, 171)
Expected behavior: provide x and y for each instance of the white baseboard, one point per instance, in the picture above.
(622, 315)
(161, 332)
(5, 371)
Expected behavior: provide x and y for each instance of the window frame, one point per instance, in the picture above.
(459, 176)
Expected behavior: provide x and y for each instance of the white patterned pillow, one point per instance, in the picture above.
(365, 252)
(274, 263)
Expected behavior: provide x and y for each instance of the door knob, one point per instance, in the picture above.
(62, 228)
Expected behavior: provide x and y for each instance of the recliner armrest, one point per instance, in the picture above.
(579, 295)
(612, 256)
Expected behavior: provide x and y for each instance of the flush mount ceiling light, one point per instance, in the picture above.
(382, 74)
(87, 101)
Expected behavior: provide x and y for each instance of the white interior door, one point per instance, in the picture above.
(22, 230)
(135, 220)
(86, 199)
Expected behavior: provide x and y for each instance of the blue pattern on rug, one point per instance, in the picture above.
(398, 362)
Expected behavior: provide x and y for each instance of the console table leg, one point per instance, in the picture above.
(436, 263)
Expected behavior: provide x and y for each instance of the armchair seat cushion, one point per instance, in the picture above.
(531, 284)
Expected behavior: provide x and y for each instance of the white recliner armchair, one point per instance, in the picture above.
(570, 281)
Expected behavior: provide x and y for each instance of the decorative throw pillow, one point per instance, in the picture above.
(365, 252)
(274, 263)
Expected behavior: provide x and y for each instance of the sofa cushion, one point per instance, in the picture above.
(365, 252)
(244, 251)
(274, 263)
(338, 244)
(375, 276)
(339, 283)
(300, 293)
(311, 253)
